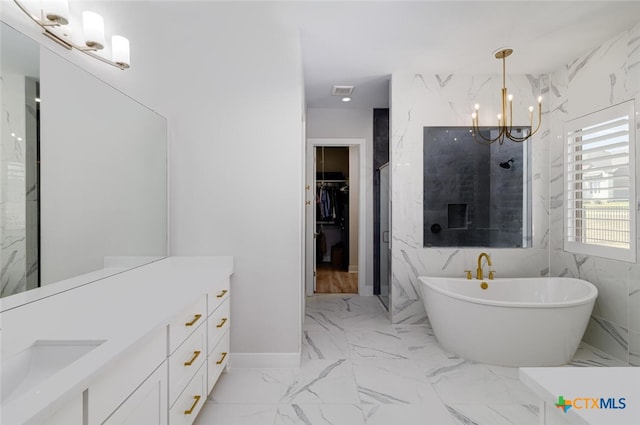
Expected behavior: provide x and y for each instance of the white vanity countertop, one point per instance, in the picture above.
(121, 309)
(589, 382)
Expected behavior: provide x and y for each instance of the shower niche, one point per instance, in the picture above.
(475, 195)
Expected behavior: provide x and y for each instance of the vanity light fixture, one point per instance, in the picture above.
(505, 119)
(54, 20)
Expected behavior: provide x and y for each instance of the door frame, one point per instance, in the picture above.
(310, 207)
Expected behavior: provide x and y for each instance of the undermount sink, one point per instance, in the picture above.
(39, 362)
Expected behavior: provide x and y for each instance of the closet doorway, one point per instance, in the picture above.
(335, 234)
(336, 260)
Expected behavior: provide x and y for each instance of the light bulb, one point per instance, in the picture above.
(477, 106)
(120, 49)
(510, 97)
(474, 115)
(93, 30)
(56, 11)
(499, 117)
(539, 99)
(530, 108)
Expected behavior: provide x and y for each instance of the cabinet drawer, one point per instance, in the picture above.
(218, 295)
(218, 323)
(186, 360)
(189, 403)
(186, 322)
(217, 361)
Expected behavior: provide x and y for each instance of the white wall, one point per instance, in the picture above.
(351, 123)
(606, 75)
(228, 78)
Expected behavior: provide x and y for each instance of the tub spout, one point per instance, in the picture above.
(479, 274)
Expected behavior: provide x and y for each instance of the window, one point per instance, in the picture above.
(600, 214)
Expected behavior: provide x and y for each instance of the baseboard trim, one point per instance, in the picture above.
(267, 360)
(353, 269)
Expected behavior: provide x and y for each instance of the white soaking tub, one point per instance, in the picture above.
(513, 322)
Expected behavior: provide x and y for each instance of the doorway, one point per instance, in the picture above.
(335, 233)
(336, 260)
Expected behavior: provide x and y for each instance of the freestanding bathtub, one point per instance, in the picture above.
(513, 322)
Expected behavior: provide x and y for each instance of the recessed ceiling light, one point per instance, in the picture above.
(346, 99)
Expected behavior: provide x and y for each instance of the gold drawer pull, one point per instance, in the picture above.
(221, 358)
(195, 319)
(221, 294)
(222, 322)
(193, 359)
(196, 399)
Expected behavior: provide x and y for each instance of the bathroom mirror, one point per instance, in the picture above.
(475, 195)
(84, 191)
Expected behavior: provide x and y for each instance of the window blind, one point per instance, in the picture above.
(600, 184)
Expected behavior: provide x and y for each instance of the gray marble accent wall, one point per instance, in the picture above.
(419, 101)
(604, 76)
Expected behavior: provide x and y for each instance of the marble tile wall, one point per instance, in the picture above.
(604, 76)
(447, 100)
(12, 185)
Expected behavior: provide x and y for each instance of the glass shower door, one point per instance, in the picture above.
(385, 237)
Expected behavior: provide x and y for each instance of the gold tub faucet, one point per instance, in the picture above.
(479, 274)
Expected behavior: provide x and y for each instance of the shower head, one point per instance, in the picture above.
(507, 164)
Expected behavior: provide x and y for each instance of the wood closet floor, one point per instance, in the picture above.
(332, 281)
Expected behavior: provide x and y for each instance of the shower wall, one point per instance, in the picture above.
(469, 199)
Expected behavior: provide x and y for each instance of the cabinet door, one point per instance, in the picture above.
(147, 405)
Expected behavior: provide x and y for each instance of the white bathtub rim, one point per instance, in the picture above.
(590, 298)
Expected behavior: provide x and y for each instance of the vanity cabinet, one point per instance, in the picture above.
(163, 346)
(146, 405)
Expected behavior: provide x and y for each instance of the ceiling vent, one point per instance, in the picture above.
(342, 90)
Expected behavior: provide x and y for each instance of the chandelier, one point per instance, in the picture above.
(505, 119)
(53, 18)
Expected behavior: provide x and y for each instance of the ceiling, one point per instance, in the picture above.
(361, 43)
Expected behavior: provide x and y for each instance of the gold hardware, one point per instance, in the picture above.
(222, 322)
(505, 127)
(307, 187)
(193, 359)
(196, 399)
(195, 319)
(479, 274)
(221, 358)
(484, 285)
(491, 274)
(468, 272)
(308, 203)
(221, 294)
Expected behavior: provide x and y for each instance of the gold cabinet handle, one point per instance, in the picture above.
(196, 399)
(221, 294)
(221, 358)
(222, 322)
(195, 319)
(193, 359)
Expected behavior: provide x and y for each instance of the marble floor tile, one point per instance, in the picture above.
(501, 414)
(323, 382)
(381, 343)
(383, 381)
(320, 344)
(588, 356)
(236, 414)
(326, 414)
(318, 319)
(357, 368)
(471, 383)
(408, 414)
(252, 386)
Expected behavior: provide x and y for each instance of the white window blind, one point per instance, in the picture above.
(600, 184)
